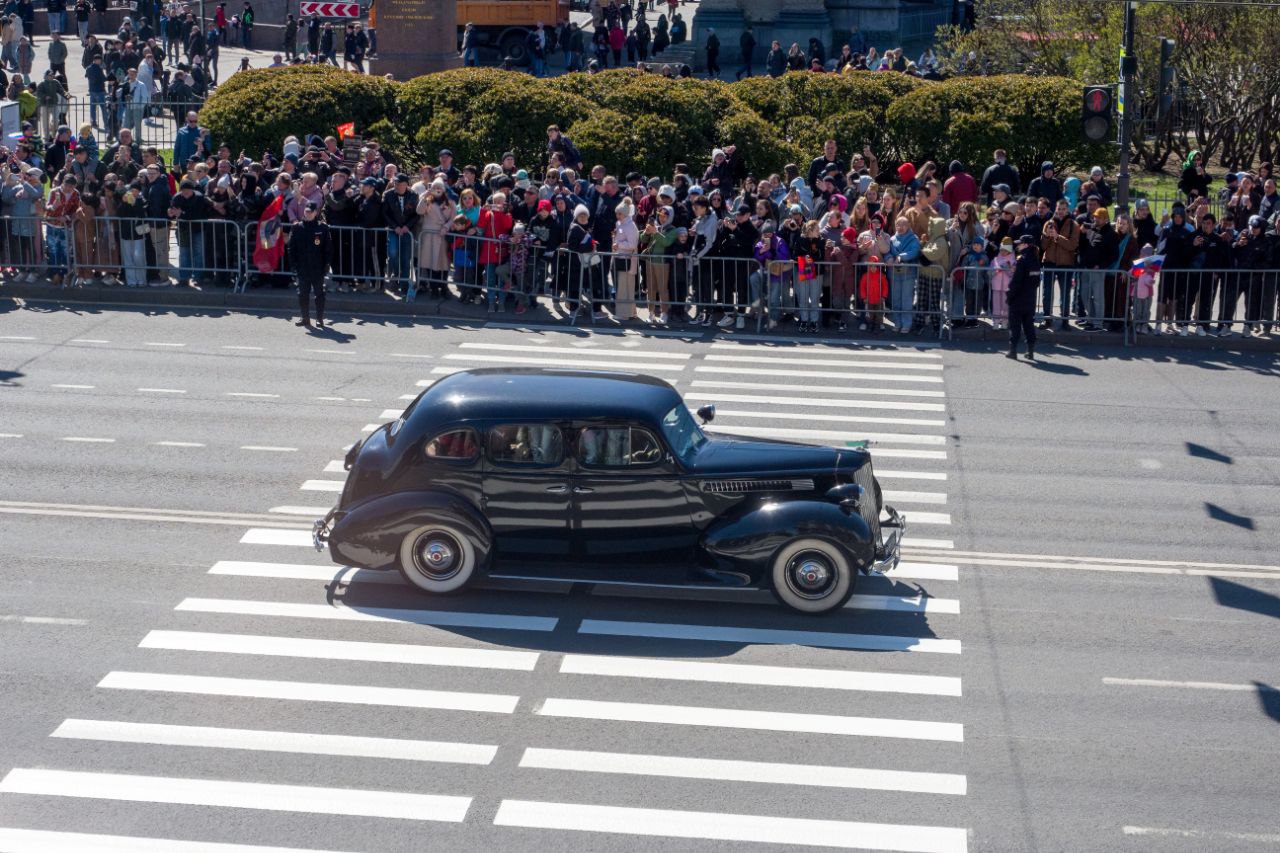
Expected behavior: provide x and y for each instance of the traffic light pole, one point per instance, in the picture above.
(1128, 66)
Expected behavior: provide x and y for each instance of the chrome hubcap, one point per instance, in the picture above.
(811, 574)
(436, 555)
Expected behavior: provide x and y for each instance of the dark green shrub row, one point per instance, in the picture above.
(627, 120)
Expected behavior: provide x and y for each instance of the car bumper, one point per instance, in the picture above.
(887, 552)
(321, 529)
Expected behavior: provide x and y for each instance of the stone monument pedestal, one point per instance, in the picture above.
(415, 37)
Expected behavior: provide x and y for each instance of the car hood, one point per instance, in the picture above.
(724, 454)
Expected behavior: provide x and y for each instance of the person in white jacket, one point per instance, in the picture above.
(626, 245)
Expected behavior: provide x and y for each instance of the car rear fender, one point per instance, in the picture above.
(748, 541)
(369, 536)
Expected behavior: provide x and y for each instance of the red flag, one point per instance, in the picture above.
(345, 130)
(270, 243)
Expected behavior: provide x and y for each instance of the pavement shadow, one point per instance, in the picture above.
(11, 377)
(1269, 699)
(1057, 367)
(1201, 452)
(1218, 513)
(1240, 597)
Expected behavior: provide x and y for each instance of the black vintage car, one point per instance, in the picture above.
(603, 477)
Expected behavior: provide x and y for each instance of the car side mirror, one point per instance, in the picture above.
(707, 413)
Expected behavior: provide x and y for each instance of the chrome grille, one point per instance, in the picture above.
(865, 477)
(741, 487)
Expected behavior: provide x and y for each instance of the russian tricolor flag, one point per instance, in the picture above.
(1151, 264)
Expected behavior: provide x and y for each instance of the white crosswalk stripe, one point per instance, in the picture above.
(661, 691)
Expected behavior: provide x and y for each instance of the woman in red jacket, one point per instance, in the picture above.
(494, 226)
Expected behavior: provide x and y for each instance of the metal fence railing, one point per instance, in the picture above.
(153, 123)
(515, 273)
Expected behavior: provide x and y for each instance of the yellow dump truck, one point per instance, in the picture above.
(503, 26)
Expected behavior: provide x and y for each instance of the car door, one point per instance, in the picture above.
(629, 506)
(526, 494)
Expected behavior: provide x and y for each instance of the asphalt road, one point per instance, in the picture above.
(1078, 654)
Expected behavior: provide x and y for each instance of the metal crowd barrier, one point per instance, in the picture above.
(155, 122)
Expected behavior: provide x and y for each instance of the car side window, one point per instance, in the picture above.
(526, 444)
(617, 447)
(459, 445)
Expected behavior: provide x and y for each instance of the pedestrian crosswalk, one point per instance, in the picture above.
(288, 704)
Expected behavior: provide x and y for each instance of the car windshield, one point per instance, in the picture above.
(682, 432)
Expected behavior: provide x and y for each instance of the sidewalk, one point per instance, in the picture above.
(385, 304)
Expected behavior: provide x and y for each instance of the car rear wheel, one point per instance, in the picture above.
(437, 558)
(812, 576)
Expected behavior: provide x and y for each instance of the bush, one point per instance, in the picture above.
(966, 118)
(256, 115)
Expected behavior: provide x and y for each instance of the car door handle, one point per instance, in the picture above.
(580, 490)
(557, 490)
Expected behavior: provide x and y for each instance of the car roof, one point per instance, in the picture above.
(539, 393)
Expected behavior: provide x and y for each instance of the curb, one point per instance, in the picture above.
(383, 305)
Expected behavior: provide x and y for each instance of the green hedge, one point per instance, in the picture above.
(627, 120)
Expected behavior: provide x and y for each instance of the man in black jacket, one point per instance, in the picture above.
(1022, 298)
(309, 246)
(340, 212)
(400, 210)
(371, 241)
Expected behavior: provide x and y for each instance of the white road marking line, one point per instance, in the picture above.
(266, 448)
(816, 402)
(331, 399)
(371, 427)
(277, 536)
(42, 620)
(241, 795)
(722, 826)
(1207, 834)
(823, 417)
(252, 394)
(333, 351)
(16, 338)
(757, 675)
(917, 517)
(342, 612)
(72, 387)
(88, 439)
(297, 571)
(361, 400)
(161, 344)
(816, 374)
(905, 603)
(335, 466)
(304, 691)
(768, 636)
(823, 345)
(917, 542)
(735, 718)
(308, 743)
(1109, 561)
(312, 511)
(891, 496)
(909, 475)
(852, 352)
(88, 341)
(177, 444)
(407, 397)
(908, 570)
(1096, 567)
(322, 485)
(391, 414)
(752, 360)
(834, 435)
(563, 362)
(671, 356)
(442, 371)
(594, 333)
(10, 435)
(813, 389)
(1190, 685)
(49, 841)
(679, 767)
(247, 349)
(302, 647)
(161, 391)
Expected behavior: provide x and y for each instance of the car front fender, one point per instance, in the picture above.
(748, 541)
(369, 535)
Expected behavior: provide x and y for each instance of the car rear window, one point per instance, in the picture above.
(459, 445)
(526, 444)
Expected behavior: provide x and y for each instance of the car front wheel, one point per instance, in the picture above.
(812, 576)
(437, 558)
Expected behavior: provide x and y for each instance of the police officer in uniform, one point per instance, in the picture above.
(309, 247)
(1022, 297)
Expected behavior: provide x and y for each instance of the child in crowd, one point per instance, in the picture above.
(1001, 274)
(521, 261)
(873, 287)
(89, 142)
(1142, 288)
